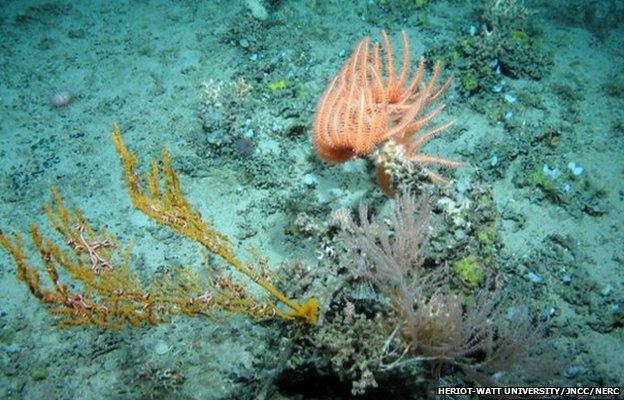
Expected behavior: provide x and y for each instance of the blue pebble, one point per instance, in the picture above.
(535, 278)
(494, 161)
(572, 371)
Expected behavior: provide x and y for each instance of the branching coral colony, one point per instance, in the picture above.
(493, 334)
(111, 295)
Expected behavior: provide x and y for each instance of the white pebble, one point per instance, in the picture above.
(61, 98)
(494, 161)
(575, 168)
(161, 348)
(309, 180)
(554, 173)
(533, 277)
(510, 98)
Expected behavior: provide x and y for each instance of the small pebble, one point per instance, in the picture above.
(607, 290)
(494, 161)
(575, 168)
(460, 234)
(161, 348)
(463, 187)
(309, 180)
(554, 173)
(236, 375)
(510, 98)
(572, 371)
(549, 312)
(61, 98)
(533, 277)
(511, 314)
(497, 376)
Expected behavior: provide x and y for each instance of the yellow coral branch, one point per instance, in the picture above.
(106, 293)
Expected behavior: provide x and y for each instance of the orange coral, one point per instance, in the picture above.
(363, 107)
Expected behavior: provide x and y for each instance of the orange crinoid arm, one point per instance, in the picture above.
(348, 117)
(368, 103)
